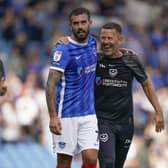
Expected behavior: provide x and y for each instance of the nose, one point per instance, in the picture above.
(80, 26)
(105, 41)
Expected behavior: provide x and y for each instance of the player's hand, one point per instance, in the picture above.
(63, 40)
(55, 126)
(128, 51)
(3, 87)
(159, 122)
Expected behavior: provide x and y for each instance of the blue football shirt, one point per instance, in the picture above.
(75, 90)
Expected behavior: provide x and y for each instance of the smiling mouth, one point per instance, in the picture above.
(106, 47)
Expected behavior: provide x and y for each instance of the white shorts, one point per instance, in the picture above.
(78, 134)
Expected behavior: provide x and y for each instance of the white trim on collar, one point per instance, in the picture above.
(75, 42)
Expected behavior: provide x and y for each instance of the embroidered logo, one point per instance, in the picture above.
(113, 72)
(61, 145)
(104, 137)
(77, 57)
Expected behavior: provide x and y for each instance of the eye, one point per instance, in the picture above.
(110, 38)
(84, 22)
(102, 38)
(75, 23)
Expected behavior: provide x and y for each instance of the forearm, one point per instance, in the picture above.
(151, 95)
(52, 81)
(51, 98)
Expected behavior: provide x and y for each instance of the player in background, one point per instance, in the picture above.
(115, 72)
(70, 94)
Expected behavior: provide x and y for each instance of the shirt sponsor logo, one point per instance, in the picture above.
(57, 56)
(113, 72)
(109, 82)
(86, 70)
(104, 137)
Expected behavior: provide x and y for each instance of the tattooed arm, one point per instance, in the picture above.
(53, 79)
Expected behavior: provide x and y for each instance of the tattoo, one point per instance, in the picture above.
(53, 79)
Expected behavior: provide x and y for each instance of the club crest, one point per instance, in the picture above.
(104, 137)
(113, 72)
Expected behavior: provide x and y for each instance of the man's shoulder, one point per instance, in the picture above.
(60, 48)
(129, 56)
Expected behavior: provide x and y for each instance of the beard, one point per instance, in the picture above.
(80, 37)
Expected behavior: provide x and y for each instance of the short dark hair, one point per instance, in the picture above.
(112, 25)
(79, 11)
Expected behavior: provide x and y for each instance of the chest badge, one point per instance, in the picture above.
(113, 72)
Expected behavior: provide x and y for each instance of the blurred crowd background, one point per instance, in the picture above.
(28, 32)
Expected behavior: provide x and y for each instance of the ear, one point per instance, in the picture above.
(121, 39)
(90, 22)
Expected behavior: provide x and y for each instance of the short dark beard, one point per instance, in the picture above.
(80, 39)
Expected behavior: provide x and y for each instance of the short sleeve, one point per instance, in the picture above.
(136, 66)
(59, 57)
